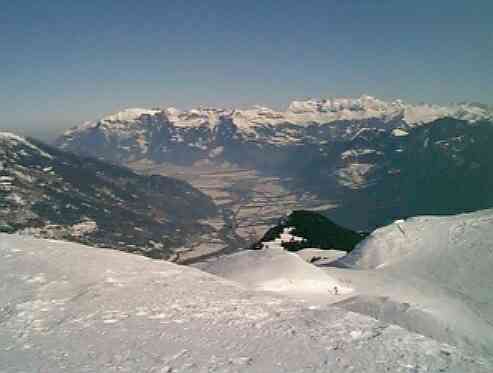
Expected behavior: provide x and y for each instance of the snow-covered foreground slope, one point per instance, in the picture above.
(438, 265)
(430, 275)
(70, 308)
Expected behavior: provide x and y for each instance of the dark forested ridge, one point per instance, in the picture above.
(56, 194)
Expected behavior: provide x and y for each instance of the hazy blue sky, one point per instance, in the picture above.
(64, 62)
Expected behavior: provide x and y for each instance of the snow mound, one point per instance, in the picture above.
(70, 308)
(439, 266)
(276, 270)
(129, 114)
(434, 247)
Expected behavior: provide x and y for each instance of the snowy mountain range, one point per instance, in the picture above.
(363, 153)
(49, 193)
(158, 133)
(299, 113)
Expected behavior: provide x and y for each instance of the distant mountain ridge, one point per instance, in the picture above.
(166, 134)
(50, 193)
(369, 154)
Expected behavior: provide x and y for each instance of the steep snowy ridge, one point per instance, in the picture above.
(466, 238)
(120, 312)
(438, 266)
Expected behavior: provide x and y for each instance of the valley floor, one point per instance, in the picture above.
(251, 203)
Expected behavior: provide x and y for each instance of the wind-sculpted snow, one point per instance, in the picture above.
(70, 308)
(439, 266)
(455, 252)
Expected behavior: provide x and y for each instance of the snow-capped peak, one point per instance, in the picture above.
(172, 112)
(367, 106)
(305, 106)
(362, 103)
(129, 115)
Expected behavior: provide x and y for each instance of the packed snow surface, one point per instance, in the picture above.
(438, 267)
(70, 308)
(430, 275)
